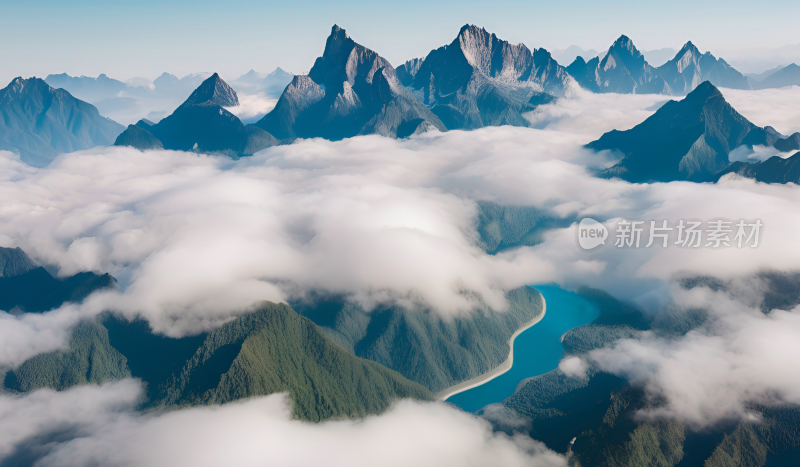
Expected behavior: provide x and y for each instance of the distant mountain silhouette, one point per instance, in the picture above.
(480, 80)
(272, 84)
(201, 124)
(39, 122)
(351, 90)
(625, 70)
(572, 52)
(689, 68)
(684, 140)
(168, 85)
(786, 76)
(773, 170)
(93, 89)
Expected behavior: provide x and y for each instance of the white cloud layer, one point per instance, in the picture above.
(253, 105)
(739, 357)
(96, 429)
(195, 239)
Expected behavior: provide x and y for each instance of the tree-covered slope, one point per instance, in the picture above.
(277, 350)
(420, 344)
(269, 351)
(594, 417)
(90, 359)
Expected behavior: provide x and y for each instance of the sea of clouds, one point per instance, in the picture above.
(194, 240)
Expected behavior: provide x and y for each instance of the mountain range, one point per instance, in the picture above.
(350, 90)
(624, 70)
(773, 170)
(271, 84)
(201, 124)
(475, 81)
(684, 140)
(782, 77)
(270, 350)
(480, 80)
(38, 122)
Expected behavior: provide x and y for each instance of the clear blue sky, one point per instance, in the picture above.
(144, 38)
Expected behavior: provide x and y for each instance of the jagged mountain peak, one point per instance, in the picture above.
(213, 91)
(689, 46)
(625, 48)
(350, 90)
(336, 41)
(704, 91)
(40, 122)
(19, 84)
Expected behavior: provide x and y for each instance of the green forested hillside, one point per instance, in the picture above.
(276, 350)
(89, 359)
(500, 227)
(422, 346)
(271, 350)
(599, 410)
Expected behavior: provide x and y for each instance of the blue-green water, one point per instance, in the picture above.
(536, 351)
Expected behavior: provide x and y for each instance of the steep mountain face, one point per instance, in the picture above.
(408, 70)
(479, 80)
(585, 73)
(786, 76)
(213, 91)
(625, 70)
(684, 140)
(350, 91)
(689, 68)
(201, 124)
(773, 170)
(39, 122)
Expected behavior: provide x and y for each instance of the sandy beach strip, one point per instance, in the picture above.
(498, 370)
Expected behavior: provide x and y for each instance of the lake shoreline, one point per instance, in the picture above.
(498, 370)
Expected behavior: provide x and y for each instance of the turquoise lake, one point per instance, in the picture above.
(536, 351)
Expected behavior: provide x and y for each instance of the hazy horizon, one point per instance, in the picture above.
(181, 38)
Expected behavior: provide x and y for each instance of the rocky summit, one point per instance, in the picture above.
(351, 90)
(480, 80)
